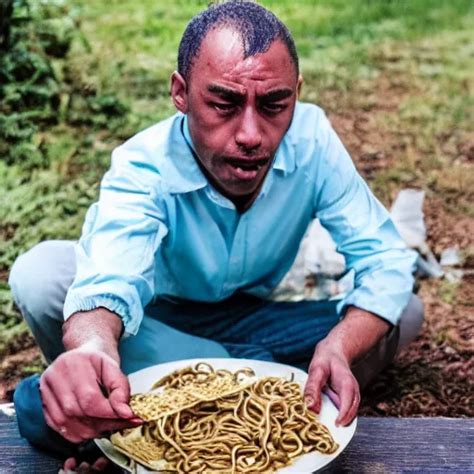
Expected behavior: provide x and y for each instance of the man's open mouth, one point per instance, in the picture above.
(246, 169)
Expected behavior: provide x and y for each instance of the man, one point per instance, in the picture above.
(199, 218)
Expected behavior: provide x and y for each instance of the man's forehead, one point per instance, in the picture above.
(222, 56)
(224, 42)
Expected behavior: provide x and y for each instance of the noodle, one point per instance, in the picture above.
(260, 427)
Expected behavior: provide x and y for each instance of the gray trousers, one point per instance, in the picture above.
(40, 278)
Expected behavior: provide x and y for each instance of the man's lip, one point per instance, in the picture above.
(247, 161)
(244, 174)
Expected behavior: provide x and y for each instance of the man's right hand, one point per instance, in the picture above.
(84, 394)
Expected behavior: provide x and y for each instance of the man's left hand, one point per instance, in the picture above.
(330, 371)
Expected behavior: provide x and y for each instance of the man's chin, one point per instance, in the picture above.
(240, 188)
(237, 189)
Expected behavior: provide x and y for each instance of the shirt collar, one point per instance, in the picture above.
(180, 168)
(285, 159)
(183, 172)
(285, 156)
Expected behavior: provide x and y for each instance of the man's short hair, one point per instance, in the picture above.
(257, 26)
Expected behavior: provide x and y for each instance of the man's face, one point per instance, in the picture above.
(238, 109)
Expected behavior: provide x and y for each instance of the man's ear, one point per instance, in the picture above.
(179, 92)
(299, 85)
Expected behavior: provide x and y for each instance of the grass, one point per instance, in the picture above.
(404, 67)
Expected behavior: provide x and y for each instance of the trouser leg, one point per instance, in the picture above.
(411, 322)
(249, 327)
(39, 280)
(220, 322)
(291, 332)
(285, 332)
(288, 330)
(156, 343)
(385, 350)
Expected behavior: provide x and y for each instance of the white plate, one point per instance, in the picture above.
(142, 381)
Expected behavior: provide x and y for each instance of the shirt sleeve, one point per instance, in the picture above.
(121, 233)
(362, 230)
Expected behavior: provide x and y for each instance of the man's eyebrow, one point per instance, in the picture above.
(276, 95)
(232, 94)
(225, 92)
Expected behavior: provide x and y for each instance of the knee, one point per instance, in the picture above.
(415, 311)
(32, 279)
(411, 321)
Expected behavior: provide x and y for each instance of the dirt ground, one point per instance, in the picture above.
(434, 376)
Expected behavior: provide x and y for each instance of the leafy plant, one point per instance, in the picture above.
(37, 90)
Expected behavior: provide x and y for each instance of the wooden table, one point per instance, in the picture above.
(380, 445)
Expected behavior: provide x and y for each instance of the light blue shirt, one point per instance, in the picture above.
(160, 229)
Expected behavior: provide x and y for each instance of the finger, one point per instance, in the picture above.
(54, 415)
(317, 378)
(346, 395)
(70, 428)
(88, 394)
(104, 425)
(69, 464)
(63, 419)
(332, 395)
(52, 412)
(353, 409)
(84, 468)
(74, 394)
(92, 401)
(100, 464)
(119, 389)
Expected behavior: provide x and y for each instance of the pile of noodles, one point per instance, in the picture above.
(256, 426)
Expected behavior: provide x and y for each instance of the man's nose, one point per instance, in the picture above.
(249, 136)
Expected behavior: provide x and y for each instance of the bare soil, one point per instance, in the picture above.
(434, 376)
(12, 367)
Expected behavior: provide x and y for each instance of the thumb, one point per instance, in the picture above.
(317, 378)
(117, 387)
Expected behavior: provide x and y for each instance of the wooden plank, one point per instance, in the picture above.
(396, 445)
(17, 456)
(380, 445)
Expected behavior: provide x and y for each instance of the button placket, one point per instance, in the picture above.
(237, 256)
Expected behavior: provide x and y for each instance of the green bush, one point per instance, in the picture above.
(38, 88)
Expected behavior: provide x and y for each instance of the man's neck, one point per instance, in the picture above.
(241, 203)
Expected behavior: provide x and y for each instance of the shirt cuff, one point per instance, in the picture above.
(387, 310)
(75, 303)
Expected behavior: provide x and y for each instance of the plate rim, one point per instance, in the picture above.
(326, 401)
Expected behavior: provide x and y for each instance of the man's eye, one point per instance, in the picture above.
(272, 107)
(223, 106)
